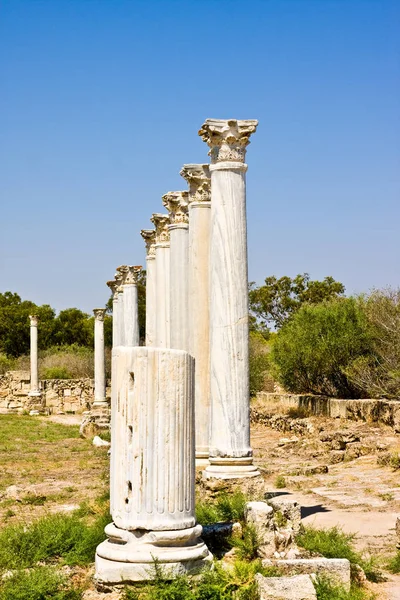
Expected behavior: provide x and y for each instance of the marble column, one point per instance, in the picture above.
(34, 391)
(149, 236)
(230, 453)
(129, 280)
(198, 178)
(117, 324)
(162, 249)
(99, 359)
(152, 468)
(177, 205)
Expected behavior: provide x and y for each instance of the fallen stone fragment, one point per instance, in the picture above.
(260, 514)
(299, 587)
(290, 510)
(336, 456)
(97, 441)
(336, 569)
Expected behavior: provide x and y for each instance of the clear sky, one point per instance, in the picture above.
(101, 101)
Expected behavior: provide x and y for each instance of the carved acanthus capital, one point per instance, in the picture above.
(149, 236)
(34, 320)
(129, 274)
(177, 205)
(227, 138)
(161, 223)
(99, 314)
(198, 178)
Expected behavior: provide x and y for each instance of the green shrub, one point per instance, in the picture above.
(41, 583)
(56, 373)
(6, 363)
(247, 546)
(394, 564)
(326, 590)
(225, 508)
(259, 365)
(280, 482)
(314, 348)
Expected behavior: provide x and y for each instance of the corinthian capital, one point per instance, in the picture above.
(128, 274)
(198, 178)
(227, 138)
(177, 205)
(149, 236)
(34, 320)
(161, 223)
(99, 313)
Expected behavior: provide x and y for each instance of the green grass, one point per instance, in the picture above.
(326, 590)
(247, 546)
(334, 543)
(280, 482)
(225, 508)
(394, 564)
(42, 583)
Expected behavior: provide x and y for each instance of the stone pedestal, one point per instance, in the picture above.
(177, 205)
(129, 280)
(162, 249)
(198, 178)
(35, 390)
(152, 468)
(230, 453)
(99, 360)
(149, 236)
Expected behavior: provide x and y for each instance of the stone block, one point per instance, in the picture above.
(290, 509)
(52, 398)
(260, 514)
(299, 587)
(336, 456)
(67, 392)
(335, 569)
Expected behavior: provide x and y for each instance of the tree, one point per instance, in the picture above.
(73, 326)
(273, 303)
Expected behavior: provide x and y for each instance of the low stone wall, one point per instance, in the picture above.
(58, 395)
(369, 409)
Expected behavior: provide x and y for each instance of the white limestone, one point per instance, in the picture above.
(177, 206)
(35, 391)
(149, 236)
(152, 467)
(129, 281)
(118, 321)
(198, 178)
(162, 248)
(230, 453)
(99, 359)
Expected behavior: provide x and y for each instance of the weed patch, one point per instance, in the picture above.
(328, 591)
(226, 508)
(42, 583)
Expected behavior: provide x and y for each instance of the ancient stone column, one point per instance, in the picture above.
(149, 236)
(230, 453)
(162, 249)
(118, 307)
(35, 391)
(177, 206)
(152, 468)
(198, 178)
(129, 283)
(99, 359)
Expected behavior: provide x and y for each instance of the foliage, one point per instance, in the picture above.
(334, 543)
(280, 482)
(248, 545)
(379, 374)
(258, 361)
(77, 361)
(56, 373)
(72, 326)
(228, 507)
(6, 363)
(326, 590)
(313, 350)
(277, 300)
(394, 564)
(41, 583)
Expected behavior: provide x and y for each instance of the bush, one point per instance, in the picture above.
(42, 583)
(6, 364)
(313, 350)
(259, 366)
(56, 373)
(327, 590)
(226, 508)
(394, 564)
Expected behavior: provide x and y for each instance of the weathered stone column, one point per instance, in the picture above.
(129, 280)
(162, 248)
(230, 453)
(152, 468)
(149, 236)
(198, 178)
(177, 206)
(35, 391)
(99, 359)
(118, 307)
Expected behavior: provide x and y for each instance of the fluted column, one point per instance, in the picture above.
(152, 467)
(162, 249)
(230, 453)
(177, 206)
(149, 236)
(129, 280)
(99, 359)
(198, 178)
(35, 391)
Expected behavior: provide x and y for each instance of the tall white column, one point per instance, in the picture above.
(129, 280)
(152, 468)
(177, 206)
(117, 310)
(35, 391)
(99, 359)
(198, 178)
(230, 453)
(162, 248)
(149, 236)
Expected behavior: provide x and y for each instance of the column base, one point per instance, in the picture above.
(230, 468)
(202, 457)
(128, 556)
(35, 394)
(100, 404)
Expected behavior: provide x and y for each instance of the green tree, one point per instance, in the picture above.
(313, 350)
(273, 303)
(73, 326)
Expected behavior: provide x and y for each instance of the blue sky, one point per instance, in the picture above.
(101, 101)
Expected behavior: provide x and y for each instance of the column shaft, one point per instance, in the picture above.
(131, 317)
(151, 300)
(34, 356)
(179, 290)
(99, 359)
(163, 295)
